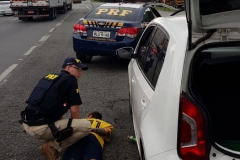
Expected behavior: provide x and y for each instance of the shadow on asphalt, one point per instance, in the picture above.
(109, 63)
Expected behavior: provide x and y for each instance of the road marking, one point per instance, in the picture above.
(7, 71)
(29, 51)
(44, 38)
(86, 6)
(47, 37)
(14, 19)
(58, 24)
(51, 30)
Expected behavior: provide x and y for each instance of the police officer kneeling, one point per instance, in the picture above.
(52, 97)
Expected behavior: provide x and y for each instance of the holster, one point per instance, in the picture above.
(59, 135)
(65, 133)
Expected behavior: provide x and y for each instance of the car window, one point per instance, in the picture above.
(161, 56)
(114, 13)
(148, 15)
(144, 45)
(151, 60)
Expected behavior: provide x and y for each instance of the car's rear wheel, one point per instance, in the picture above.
(84, 57)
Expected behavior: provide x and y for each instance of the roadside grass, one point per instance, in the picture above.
(164, 9)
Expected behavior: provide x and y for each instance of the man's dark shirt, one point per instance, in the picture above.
(69, 91)
(70, 96)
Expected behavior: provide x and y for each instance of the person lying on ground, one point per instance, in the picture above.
(91, 146)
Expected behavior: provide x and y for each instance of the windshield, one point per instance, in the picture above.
(216, 6)
(114, 13)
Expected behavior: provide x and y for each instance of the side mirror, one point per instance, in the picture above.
(125, 52)
(144, 24)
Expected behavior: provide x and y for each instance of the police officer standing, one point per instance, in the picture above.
(52, 97)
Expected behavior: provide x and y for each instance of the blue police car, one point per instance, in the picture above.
(109, 27)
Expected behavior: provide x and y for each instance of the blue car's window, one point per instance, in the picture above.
(114, 13)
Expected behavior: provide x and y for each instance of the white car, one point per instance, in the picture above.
(5, 8)
(184, 79)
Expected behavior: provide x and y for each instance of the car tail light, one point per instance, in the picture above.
(79, 28)
(192, 138)
(122, 31)
(129, 32)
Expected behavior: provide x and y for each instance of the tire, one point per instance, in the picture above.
(84, 57)
(55, 13)
(70, 6)
(52, 14)
(64, 8)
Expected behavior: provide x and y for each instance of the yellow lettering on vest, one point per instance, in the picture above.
(113, 12)
(51, 76)
(124, 12)
(101, 10)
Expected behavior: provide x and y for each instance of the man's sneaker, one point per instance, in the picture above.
(49, 151)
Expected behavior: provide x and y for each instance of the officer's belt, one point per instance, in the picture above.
(37, 123)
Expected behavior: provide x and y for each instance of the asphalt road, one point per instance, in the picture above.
(17, 37)
(103, 88)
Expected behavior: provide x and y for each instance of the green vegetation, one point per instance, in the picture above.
(164, 9)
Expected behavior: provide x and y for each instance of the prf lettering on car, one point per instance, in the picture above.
(51, 76)
(114, 12)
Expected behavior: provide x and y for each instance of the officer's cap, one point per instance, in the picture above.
(74, 61)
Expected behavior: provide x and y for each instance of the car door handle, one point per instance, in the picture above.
(143, 102)
(133, 81)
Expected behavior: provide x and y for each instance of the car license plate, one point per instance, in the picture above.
(30, 12)
(102, 34)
